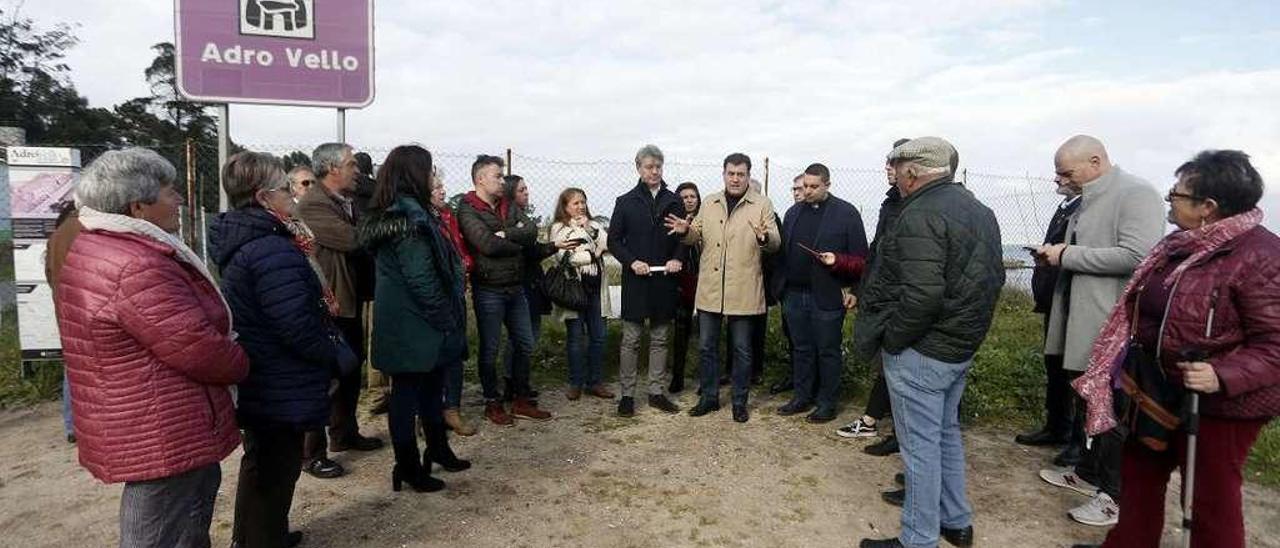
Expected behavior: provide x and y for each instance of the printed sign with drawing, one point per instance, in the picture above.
(289, 52)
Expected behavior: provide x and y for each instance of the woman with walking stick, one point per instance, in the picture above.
(1203, 309)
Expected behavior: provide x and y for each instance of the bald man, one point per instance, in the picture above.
(1119, 219)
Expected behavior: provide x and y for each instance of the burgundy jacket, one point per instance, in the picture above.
(1241, 285)
(148, 359)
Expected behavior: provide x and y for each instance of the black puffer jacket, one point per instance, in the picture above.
(498, 261)
(936, 280)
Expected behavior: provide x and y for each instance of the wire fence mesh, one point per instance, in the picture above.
(1022, 203)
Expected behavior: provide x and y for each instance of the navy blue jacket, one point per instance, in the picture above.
(839, 231)
(637, 233)
(280, 317)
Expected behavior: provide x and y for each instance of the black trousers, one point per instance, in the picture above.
(343, 426)
(415, 395)
(1058, 396)
(268, 472)
(878, 406)
(683, 327)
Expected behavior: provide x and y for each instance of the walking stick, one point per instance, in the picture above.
(1193, 430)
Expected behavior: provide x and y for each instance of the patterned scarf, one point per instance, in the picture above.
(305, 240)
(1095, 385)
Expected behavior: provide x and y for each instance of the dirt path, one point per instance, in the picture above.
(590, 479)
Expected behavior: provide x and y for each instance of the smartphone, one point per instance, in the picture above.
(1031, 250)
(580, 241)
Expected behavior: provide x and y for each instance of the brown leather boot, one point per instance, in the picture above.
(524, 408)
(497, 415)
(453, 419)
(600, 391)
(573, 393)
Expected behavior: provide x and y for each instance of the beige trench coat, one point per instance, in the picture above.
(730, 277)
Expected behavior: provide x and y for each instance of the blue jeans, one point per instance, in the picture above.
(67, 427)
(508, 354)
(586, 370)
(816, 355)
(709, 355)
(496, 308)
(926, 418)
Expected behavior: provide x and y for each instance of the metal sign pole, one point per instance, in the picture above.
(342, 125)
(224, 147)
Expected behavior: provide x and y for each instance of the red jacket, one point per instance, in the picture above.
(1241, 284)
(454, 235)
(148, 359)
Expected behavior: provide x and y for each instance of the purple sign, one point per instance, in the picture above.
(285, 52)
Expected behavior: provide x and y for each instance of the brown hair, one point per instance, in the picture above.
(248, 172)
(562, 214)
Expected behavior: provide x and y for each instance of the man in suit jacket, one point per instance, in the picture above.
(1120, 219)
(329, 212)
(812, 296)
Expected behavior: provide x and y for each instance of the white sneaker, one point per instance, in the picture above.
(857, 429)
(1065, 477)
(1100, 511)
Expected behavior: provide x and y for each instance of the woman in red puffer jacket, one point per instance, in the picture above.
(149, 351)
(1208, 299)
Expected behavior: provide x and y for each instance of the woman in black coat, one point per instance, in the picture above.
(282, 314)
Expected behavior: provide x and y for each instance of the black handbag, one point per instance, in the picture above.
(1147, 402)
(563, 285)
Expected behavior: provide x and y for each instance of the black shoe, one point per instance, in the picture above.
(626, 406)
(661, 403)
(959, 537)
(703, 408)
(71, 438)
(357, 443)
(408, 469)
(780, 387)
(438, 450)
(821, 415)
(886, 447)
(882, 543)
(1041, 438)
(740, 413)
(677, 385)
(900, 479)
(292, 539)
(724, 380)
(895, 497)
(1070, 456)
(794, 407)
(323, 468)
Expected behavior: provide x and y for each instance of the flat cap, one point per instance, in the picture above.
(932, 152)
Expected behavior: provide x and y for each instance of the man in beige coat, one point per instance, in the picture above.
(736, 227)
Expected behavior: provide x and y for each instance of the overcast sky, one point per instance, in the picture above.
(800, 81)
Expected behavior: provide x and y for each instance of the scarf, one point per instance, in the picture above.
(305, 241)
(93, 219)
(1095, 386)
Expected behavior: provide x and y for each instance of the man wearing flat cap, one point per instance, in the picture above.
(926, 307)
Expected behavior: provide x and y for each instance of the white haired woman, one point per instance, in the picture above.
(149, 351)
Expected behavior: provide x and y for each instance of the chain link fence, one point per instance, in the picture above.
(1023, 203)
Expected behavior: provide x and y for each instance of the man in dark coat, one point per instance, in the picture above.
(1057, 390)
(813, 298)
(926, 307)
(640, 241)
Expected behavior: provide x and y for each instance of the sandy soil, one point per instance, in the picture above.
(588, 478)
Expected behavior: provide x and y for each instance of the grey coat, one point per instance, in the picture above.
(1121, 217)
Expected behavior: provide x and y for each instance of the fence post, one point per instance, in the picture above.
(509, 169)
(191, 195)
(766, 175)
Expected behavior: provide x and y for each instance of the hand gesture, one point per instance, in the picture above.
(1199, 376)
(676, 225)
(850, 301)
(761, 232)
(674, 266)
(641, 268)
(827, 258)
(567, 244)
(501, 234)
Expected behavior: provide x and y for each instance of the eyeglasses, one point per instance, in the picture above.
(1175, 195)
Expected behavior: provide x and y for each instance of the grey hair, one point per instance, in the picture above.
(649, 151)
(121, 178)
(326, 157)
(248, 172)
